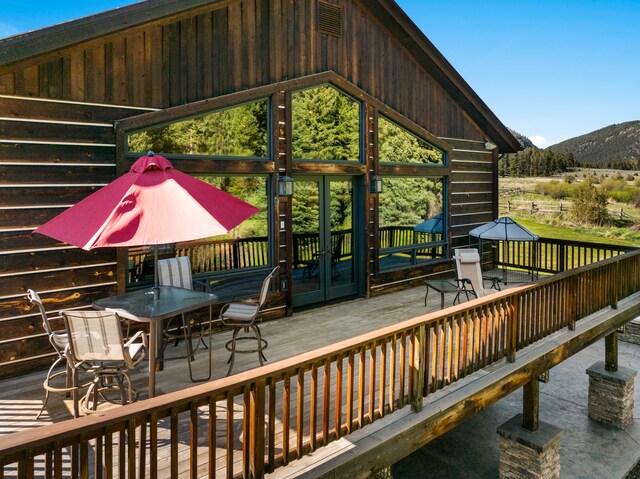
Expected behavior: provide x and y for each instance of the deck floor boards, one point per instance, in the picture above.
(21, 397)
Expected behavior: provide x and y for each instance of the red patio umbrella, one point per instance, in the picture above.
(152, 204)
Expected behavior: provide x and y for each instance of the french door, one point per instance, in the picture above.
(326, 262)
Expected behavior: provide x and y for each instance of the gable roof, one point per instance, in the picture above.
(48, 40)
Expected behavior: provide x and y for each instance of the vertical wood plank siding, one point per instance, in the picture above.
(52, 154)
(238, 46)
(57, 143)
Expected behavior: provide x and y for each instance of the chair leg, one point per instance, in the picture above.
(46, 384)
(75, 393)
(261, 355)
(123, 396)
(233, 350)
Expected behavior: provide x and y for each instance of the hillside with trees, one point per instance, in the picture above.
(533, 161)
(615, 146)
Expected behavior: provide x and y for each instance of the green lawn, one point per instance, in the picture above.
(624, 237)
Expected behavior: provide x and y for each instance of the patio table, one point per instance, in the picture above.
(443, 286)
(141, 306)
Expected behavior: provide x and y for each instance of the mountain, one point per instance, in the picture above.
(609, 147)
(523, 140)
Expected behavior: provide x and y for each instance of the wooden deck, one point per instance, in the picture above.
(22, 397)
(354, 365)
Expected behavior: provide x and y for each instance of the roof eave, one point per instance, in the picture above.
(37, 42)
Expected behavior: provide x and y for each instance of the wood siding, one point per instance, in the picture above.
(52, 154)
(57, 139)
(238, 46)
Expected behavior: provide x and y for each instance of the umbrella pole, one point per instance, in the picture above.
(156, 290)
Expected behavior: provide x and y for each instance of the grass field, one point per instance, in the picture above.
(550, 221)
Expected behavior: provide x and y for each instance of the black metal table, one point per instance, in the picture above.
(141, 306)
(443, 286)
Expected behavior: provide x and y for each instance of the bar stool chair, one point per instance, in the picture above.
(177, 272)
(59, 340)
(242, 316)
(96, 337)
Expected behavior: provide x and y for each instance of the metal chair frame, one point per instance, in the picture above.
(59, 341)
(96, 337)
(177, 272)
(242, 316)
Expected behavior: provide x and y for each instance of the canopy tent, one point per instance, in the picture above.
(506, 230)
(503, 229)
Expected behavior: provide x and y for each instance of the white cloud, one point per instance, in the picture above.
(539, 140)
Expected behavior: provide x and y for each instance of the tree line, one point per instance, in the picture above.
(535, 162)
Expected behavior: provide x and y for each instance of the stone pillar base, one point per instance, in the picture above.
(611, 395)
(529, 454)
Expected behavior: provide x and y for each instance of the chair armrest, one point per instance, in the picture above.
(466, 285)
(201, 284)
(495, 282)
(139, 334)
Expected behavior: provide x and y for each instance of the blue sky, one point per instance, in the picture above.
(549, 69)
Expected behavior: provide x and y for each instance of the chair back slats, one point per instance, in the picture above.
(175, 272)
(95, 335)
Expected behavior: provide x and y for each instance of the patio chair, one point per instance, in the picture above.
(177, 272)
(242, 316)
(470, 273)
(59, 340)
(96, 337)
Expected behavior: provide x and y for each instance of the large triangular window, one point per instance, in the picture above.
(326, 125)
(398, 145)
(239, 132)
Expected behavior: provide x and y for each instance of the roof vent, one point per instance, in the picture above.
(329, 19)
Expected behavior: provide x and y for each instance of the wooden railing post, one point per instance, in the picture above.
(256, 429)
(512, 328)
(562, 258)
(614, 281)
(572, 300)
(418, 369)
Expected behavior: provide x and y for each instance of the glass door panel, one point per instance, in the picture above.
(307, 247)
(324, 264)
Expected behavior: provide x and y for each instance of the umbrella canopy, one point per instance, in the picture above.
(504, 229)
(152, 204)
(431, 226)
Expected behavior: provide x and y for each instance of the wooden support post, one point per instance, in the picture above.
(531, 405)
(418, 369)
(256, 429)
(611, 351)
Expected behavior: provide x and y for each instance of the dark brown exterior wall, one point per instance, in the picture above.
(57, 142)
(240, 46)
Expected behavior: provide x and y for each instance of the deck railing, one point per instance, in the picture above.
(257, 421)
(553, 255)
